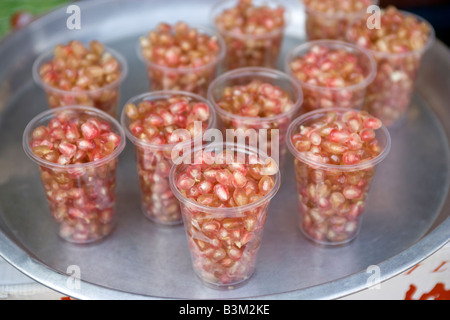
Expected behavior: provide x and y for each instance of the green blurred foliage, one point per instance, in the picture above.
(36, 7)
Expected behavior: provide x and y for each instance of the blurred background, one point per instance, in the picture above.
(437, 12)
(14, 13)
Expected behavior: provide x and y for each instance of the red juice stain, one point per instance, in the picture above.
(437, 293)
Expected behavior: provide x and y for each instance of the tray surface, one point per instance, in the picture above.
(406, 220)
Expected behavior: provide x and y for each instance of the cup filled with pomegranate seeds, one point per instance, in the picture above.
(225, 190)
(77, 150)
(161, 125)
(79, 74)
(181, 57)
(253, 31)
(332, 73)
(329, 19)
(335, 154)
(257, 104)
(398, 47)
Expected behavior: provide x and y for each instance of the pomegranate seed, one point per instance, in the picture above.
(185, 182)
(221, 192)
(240, 197)
(180, 107)
(352, 192)
(57, 134)
(239, 179)
(195, 172)
(270, 168)
(354, 142)
(111, 137)
(131, 111)
(89, 130)
(372, 123)
(235, 166)
(201, 112)
(339, 136)
(251, 187)
(71, 132)
(334, 147)
(85, 145)
(224, 177)
(179, 136)
(350, 157)
(315, 138)
(232, 224)
(210, 174)
(219, 254)
(234, 253)
(265, 185)
(205, 187)
(208, 200)
(367, 135)
(211, 227)
(154, 120)
(67, 149)
(302, 144)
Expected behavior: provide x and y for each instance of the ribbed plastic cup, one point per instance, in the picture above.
(332, 197)
(154, 162)
(105, 98)
(195, 80)
(248, 50)
(389, 96)
(252, 126)
(81, 197)
(322, 97)
(224, 241)
(332, 26)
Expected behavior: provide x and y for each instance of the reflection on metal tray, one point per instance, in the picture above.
(407, 217)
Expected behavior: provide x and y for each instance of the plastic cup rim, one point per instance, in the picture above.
(257, 71)
(228, 210)
(340, 14)
(96, 163)
(162, 94)
(324, 166)
(381, 55)
(49, 53)
(206, 30)
(274, 33)
(355, 87)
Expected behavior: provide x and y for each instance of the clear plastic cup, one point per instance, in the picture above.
(332, 197)
(388, 97)
(223, 241)
(253, 126)
(248, 50)
(105, 98)
(154, 162)
(81, 197)
(323, 97)
(195, 80)
(333, 26)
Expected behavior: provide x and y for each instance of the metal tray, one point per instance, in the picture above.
(407, 218)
